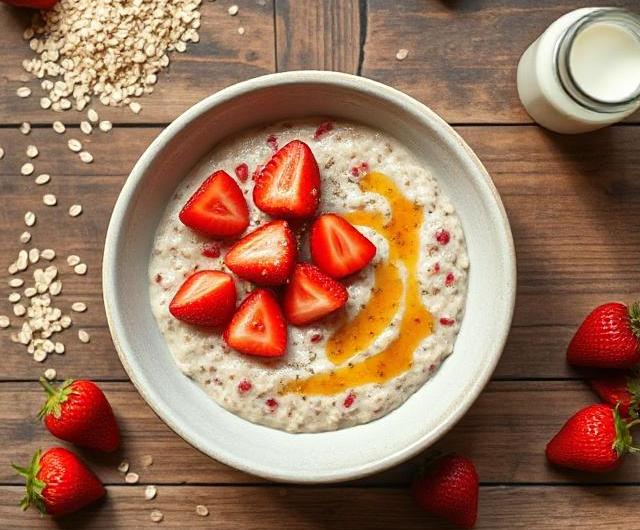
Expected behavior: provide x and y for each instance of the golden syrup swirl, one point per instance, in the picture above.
(402, 231)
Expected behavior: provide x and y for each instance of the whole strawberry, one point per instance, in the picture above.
(448, 488)
(595, 439)
(58, 483)
(623, 389)
(608, 338)
(79, 412)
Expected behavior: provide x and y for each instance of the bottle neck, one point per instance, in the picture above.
(565, 69)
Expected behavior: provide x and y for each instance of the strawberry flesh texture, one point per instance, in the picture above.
(311, 295)
(449, 489)
(206, 298)
(586, 442)
(266, 256)
(217, 208)
(623, 389)
(338, 248)
(289, 185)
(80, 413)
(605, 339)
(258, 327)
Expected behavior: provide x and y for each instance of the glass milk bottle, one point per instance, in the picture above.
(583, 72)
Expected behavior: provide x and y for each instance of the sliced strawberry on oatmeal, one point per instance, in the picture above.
(338, 248)
(266, 256)
(289, 185)
(311, 295)
(258, 327)
(217, 208)
(206, 298)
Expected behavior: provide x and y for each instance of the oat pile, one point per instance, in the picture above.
(109, 49)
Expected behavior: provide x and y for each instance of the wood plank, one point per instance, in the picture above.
(557, 191)
(318, 35)
(505, 433)
(221, 58)
(463, 56)
(234, 508)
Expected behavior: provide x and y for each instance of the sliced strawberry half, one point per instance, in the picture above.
(338, 248)
(258, 327)
(289, 185)
(217, 208)
(266, 256)
(311, 295)
(206, 298)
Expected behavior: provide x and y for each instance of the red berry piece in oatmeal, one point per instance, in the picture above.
(244, 386)
(311, 295)
(360, 169)
(217, 208)
(266, 256)
(256, 172)
(450, 279)
(211, 250)
(442, 236)
(272, 141)
(338, 248)
(272, 404)
(316, 337)
(242, 172)
(349, 400)
(447, 321)
(289, 185)
(258, 327)
(323, 129)
(207, 298)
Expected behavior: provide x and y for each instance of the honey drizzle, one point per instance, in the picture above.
(402, 231)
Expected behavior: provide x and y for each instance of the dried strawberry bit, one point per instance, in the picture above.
(257, 172)
(272, 404)
(435, 269)
(242, 172)
(158, 278)
(323, 129)
(442, 236)
(272, 142)
(211, 250)
(360, 169)
(449, 280)
(447, 321)
(348, 401)
(244, 386)
(316, 337)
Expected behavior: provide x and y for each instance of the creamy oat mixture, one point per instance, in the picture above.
(250, 386)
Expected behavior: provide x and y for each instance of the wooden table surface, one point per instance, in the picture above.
(573, 202)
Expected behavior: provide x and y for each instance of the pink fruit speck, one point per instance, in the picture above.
(272, 142)
(442, 236)
(348, 401)
(323, 129)
(242, 172)
(272, 404)
(244, 386)
(360, 169)
(257, 172)
(447, 321)
(449, 280)
(211, 250)
(436, 268)
(316, 337)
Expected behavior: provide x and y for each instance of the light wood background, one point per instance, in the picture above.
(574, 206)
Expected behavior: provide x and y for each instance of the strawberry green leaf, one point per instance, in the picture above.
(55, 397)
(34, 486)
(634, 318)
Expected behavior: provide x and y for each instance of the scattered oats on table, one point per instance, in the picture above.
(79, 307)
(150, 492)
(32, 151)
(134, 105)
(202, 510)
(241, 30)
(49, 199)
(50, 374)
(34, 255)
(25, 237)
(42, 179)
(147, 460)
(233, 10)
(86, 157)
(73, 260)
(123, 467)
(75, 145)
(59, 127)
(29, 218)
(80, 269)
(84, 336)
(93, 116)
(105, 126)
(131, 478)
(402, 54)
(23, 92)
(45, 103)
(48, 254)
(75, 210)
(5, 322)
(156, 516)
(86, 127)
(27, 169)
(25, 127)
(16, 282)
(1, 153)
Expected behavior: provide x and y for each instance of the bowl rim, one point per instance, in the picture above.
(356, 84)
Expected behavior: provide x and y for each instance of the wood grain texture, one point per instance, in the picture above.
(463, 54)
(318, 35)
(572, 203)
(505, 433)
(251, 508)
(221, 58)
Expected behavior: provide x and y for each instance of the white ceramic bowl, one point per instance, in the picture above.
(347, 453)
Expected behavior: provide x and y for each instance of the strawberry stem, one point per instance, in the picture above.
(624, 440)
(55, 397)
(634, 318)
(34, 486)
